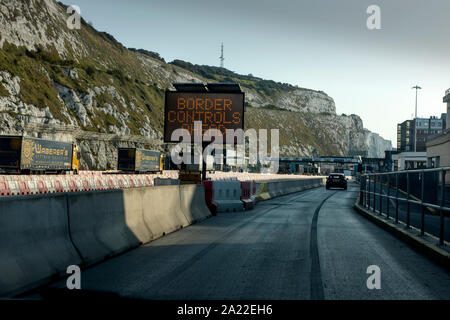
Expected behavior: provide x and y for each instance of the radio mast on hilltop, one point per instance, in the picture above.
(221, 57)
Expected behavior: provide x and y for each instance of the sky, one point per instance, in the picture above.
(317, 44)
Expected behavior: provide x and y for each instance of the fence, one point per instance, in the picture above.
(425, 187)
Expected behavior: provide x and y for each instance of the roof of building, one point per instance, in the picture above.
(447, 96)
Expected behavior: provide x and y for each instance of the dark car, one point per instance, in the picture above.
(336, 180)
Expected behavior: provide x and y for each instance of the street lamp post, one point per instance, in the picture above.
(415, 120)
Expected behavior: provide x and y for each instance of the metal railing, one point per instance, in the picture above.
(423, 187)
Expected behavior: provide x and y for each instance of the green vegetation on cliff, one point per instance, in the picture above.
(268, 87)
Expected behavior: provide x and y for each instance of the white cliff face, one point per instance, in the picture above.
(377, 145)
(14, 113)
(37, 22)
(304, 100)
(72, 100)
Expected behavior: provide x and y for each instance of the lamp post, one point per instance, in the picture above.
(415, 120)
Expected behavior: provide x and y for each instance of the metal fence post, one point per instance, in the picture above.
(388, 195)
(381, 194)
(422, 229)
(374, 192)
(408, 211)
(368, 190)
(361, 193)
(396, 197)
(441, 232)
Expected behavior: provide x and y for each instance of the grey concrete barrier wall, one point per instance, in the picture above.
(34, 242)
(98, 224)
(271, 189)
(133, 200)
(162, 210)
(193, 205)
(110, 222)
(40, 236)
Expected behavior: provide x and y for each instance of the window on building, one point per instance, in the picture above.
(425, 131)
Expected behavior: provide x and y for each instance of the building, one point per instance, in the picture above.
(411, 160)
(317, 165)
(438, 147)
(391, 160)
(426, 128)
(372, 164)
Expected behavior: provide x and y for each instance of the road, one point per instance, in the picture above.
(308, 245)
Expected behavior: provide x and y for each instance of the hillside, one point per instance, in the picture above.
(85, 85)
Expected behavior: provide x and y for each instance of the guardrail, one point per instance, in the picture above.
(432, 189)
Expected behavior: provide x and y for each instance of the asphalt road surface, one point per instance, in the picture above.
(308, 245)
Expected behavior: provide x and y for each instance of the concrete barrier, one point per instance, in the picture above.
(279, 188)
(35, 245)
(4, 188)
(209, 194)
(133, 201)
(162, 210)
(193, 205)
(271, 189)
(106, 223)
(247, 198)
(40, 236)
(227, 196)
(262, 191)
(98, 224)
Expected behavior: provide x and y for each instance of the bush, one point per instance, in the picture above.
(90, 71)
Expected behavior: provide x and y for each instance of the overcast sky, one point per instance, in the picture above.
(318, 44)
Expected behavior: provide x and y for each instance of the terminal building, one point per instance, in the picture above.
(426, 128)
(412, 141)
(438, 147)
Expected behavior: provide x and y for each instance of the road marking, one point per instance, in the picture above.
(316, 276)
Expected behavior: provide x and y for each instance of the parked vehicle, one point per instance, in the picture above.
(27, 155)
(139, 160)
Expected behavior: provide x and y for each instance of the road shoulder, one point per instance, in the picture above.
(426, 245)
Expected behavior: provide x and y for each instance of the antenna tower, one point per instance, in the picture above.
(221, 57)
